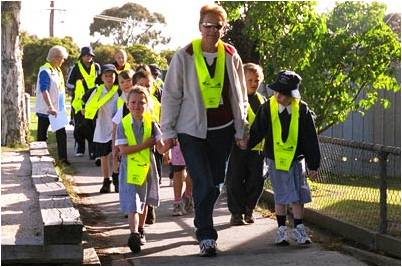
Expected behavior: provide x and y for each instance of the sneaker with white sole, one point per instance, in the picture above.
(281, 238)
(300, 236)
(188, 204)
(79, 154)
(177, 209)
(207, 248)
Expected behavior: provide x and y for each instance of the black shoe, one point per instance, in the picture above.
(142, 236)
(151, 216)
(98, 162)
(65, 162)
(249, 218)
(207, 248)
(237, 219)
(106, 186)
(134, 242)
(115, 179)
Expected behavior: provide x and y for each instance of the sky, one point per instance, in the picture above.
(74, 17)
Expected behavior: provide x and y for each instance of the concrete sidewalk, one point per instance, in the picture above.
(171, 240)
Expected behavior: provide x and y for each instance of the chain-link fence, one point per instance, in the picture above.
(359, 183)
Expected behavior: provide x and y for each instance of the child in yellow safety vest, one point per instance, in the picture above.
(125, 85)
(103, 104)
(143, 77)
(136, 135)
(291, 145)
(244, 178)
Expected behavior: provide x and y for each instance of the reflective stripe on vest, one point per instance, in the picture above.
(138, 164)
(157, 83)
(78, 94)
(156, 109)
(95, 103)
(126, 67)
(89, 78)
(59, 72)
(251, 118)
(211, 88)
(120, 102)
(284, 152)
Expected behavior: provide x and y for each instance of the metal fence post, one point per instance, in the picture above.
(383, 192)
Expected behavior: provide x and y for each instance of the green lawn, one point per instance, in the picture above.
(357, 204)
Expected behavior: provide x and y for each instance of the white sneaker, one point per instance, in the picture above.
(300, 236)
(281, 238)
(78, 154)
(177, 209)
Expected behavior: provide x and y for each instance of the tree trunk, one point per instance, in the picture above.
(14, 127)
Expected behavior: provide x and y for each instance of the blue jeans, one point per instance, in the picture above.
(206, 162)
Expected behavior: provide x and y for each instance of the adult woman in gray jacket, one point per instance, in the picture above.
(204, 104)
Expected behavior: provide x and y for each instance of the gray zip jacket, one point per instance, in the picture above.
(182, 109)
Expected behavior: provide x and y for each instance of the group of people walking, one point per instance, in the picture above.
(207, 120)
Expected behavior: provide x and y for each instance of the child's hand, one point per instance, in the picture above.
(149, 142)
(166, 158)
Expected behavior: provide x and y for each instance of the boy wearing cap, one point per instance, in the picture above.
(291, 142)
(82, 77)
(103, 104)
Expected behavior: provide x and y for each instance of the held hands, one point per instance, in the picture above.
(242, 143)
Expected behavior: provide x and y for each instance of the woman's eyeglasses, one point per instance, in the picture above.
(209, 25)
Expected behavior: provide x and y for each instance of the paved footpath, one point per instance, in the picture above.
(171, 240)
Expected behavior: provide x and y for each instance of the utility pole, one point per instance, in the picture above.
(51, 19)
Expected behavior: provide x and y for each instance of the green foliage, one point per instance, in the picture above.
(143, 54)
(105, 54)
(345, 57)
(142, 26)
(167, 54)
(35, 53)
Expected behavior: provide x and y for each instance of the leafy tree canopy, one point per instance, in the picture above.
(35, 53)
(344, 57)
(143, 54)
(141, 26)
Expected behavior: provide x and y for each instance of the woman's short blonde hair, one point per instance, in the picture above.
(55, 52)
(214, 9)
(254, 68)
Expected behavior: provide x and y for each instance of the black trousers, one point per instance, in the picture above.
(244, 180)
(83, 130)
(61, 137)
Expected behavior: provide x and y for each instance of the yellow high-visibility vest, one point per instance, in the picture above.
(156, 109)
(157, 83)
(120, 102)
(211, 88)
(95, 103)
(79, 90)
(284, 152)
(139, 163)
(126, 67)
(251, 118)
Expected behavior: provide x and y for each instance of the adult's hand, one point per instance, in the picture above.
(170, 142)
(52, 111)
(242, 143)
